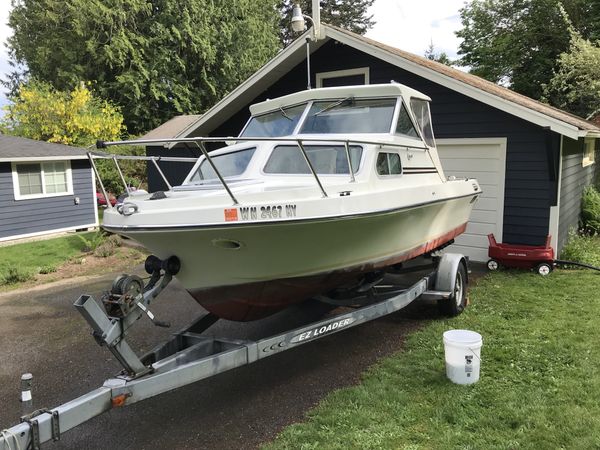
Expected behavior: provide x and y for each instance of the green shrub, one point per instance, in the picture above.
(47, 269)
(582, 248)
(15, 275)
(115, 240)
(590, 210)
(93, 242)
(105, 249)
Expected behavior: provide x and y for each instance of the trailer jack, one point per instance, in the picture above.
(188, 356)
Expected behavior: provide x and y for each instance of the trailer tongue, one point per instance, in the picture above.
(190, 356)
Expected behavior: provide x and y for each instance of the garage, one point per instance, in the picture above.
(484, 159)
(515, 146)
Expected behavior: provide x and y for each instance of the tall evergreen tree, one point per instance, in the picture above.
(153, 58)
(349, 14)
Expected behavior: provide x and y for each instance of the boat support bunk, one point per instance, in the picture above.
(188, 356)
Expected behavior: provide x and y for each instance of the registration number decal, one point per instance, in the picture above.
(266, 212)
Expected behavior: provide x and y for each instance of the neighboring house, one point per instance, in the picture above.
(44, 188)
(532, 160)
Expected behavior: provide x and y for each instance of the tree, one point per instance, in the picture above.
(575, 86)
(76, 118)
(153, 58)
(441, 57)
(349, 14)
(518, 42)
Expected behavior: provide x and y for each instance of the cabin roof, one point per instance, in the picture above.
(366, 91)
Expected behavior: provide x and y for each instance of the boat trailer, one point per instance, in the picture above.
(188, 356)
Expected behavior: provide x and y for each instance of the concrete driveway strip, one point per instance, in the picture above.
(42, 333)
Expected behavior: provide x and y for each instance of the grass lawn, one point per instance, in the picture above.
(29, 257)
(539, 386)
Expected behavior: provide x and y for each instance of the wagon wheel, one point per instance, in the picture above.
(544, 269)
(457, 302)
(492, 264)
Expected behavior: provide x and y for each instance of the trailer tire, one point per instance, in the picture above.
(457, 302)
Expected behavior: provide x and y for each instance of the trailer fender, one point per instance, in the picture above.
(447, 269)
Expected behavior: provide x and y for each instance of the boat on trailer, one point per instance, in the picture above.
(324, 189)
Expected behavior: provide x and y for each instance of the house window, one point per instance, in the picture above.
(350, 77)
(388, 164)
(42, 179)
(589, 151)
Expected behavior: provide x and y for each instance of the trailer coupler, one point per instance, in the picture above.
(127, 300)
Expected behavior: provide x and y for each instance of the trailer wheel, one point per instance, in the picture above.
(492, 264)
(456, 303)
(544, 269)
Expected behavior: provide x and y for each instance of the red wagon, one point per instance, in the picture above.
(522, 256)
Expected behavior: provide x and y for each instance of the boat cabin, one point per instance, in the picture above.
(347, 117)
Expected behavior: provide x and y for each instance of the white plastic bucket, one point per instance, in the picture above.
(462, 351)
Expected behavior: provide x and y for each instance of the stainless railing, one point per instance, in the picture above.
(199, 142)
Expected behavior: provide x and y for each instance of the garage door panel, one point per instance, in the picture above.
(480, 229)
(462, 151)
(484, 161)
(472, 240)
(474, 164)
(486, 178)
(474, 253)
(486, 204)
(481, 216)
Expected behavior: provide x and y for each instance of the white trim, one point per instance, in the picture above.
(42, 158)
(41, 233)
(94, 199)
(320, 76)
(502, 142)
(17, 189)
(586, 160)
(554, 222)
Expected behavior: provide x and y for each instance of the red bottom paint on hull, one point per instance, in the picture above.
(253, 301)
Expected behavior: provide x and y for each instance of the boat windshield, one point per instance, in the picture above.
(228, 165)
(350, 116)
(326, 159)
(281, 122)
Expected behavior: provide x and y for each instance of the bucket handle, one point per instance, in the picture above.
(474, 354)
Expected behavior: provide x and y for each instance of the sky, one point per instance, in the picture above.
(410, 25)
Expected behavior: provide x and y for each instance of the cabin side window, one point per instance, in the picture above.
(228, 165)
(405, 125)
(388, 164)
(420, 109)
(325, 159)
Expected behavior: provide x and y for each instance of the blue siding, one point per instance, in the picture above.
(40, 215)
(574, 178)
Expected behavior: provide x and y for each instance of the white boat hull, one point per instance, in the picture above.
(246, 271)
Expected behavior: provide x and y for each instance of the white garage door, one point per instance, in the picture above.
(484, 159)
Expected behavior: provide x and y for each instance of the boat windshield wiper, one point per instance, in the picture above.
(335, 104)
(285, 114)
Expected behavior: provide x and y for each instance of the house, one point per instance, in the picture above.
(532, 160)
(44, 188)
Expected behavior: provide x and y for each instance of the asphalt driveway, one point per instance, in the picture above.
(41, 332)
